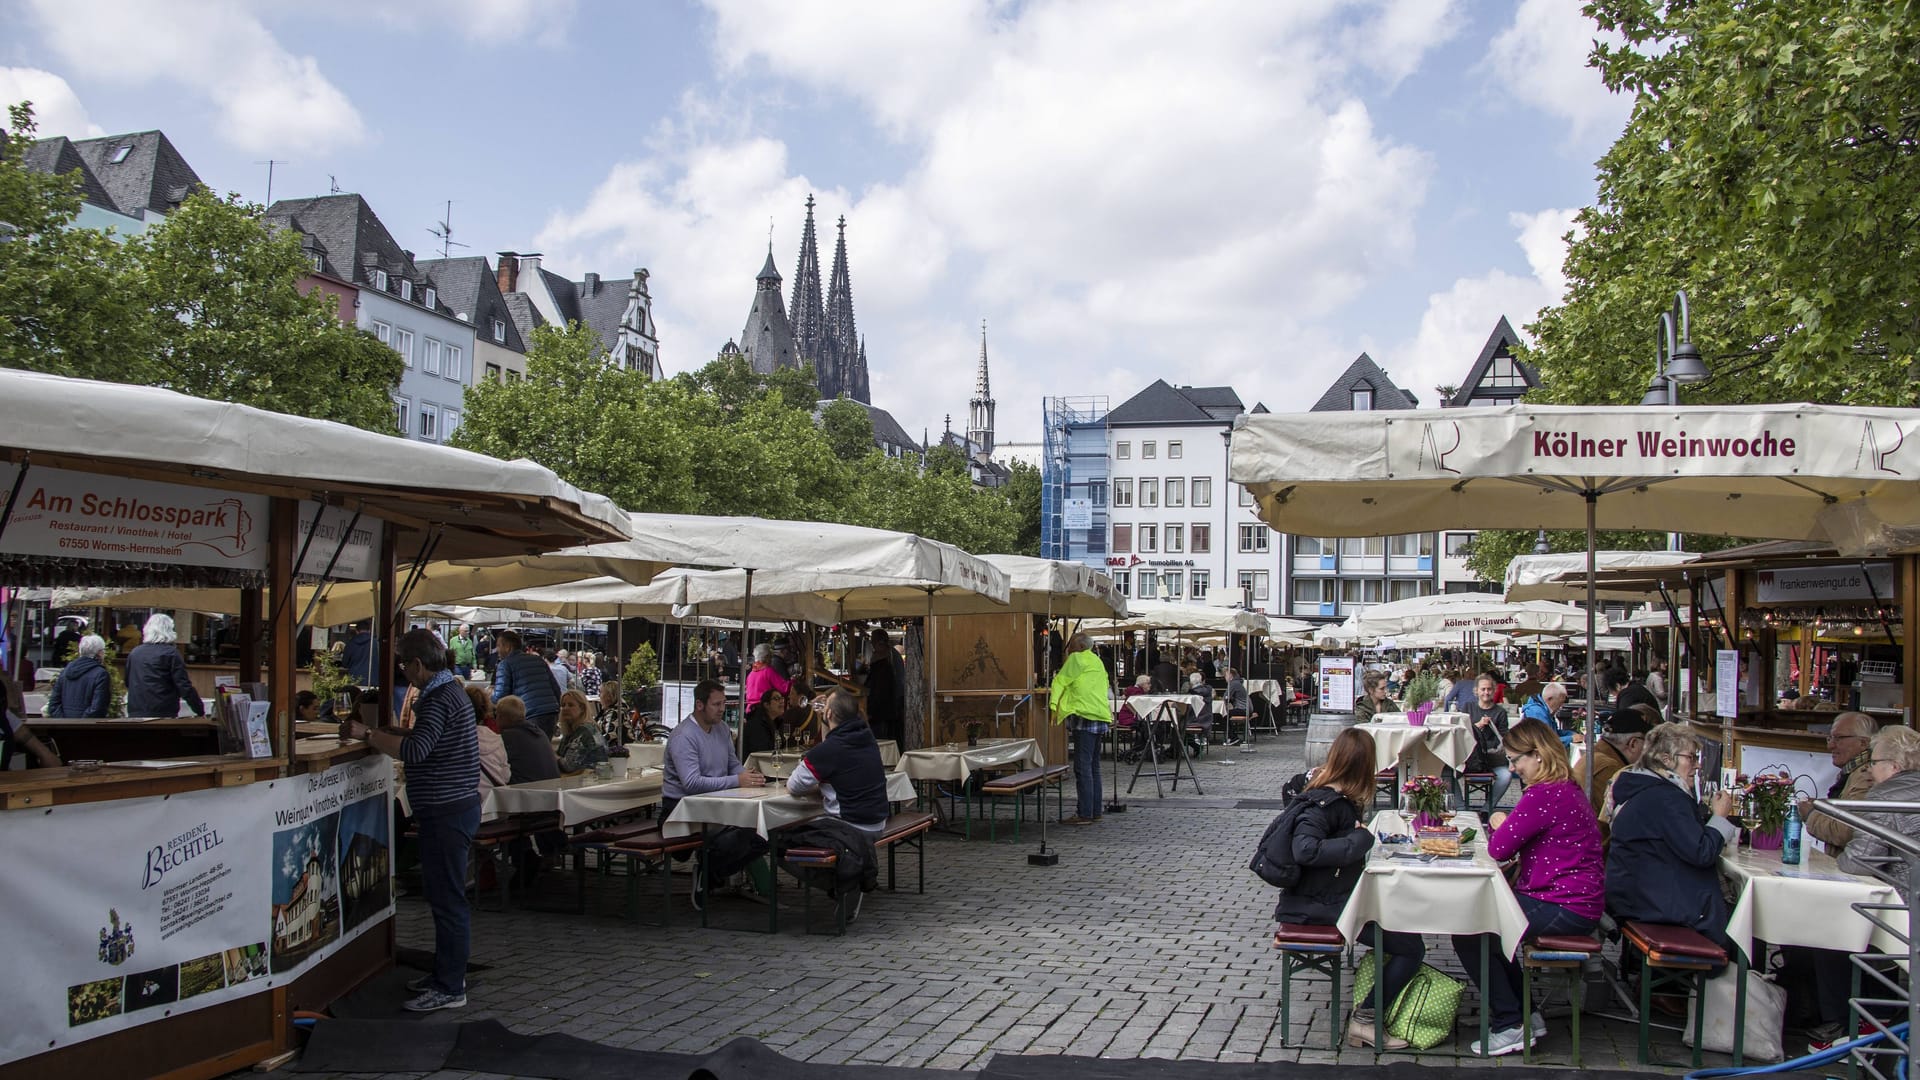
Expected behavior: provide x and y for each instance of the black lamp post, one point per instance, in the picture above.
(1675, 361)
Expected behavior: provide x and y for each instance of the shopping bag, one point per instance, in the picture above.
(1427, 1009)
(1766, 1015)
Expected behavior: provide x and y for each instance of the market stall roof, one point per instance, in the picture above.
(1460, 613)
(1561, 575)
(1162, 615)
(464, 505)
(1067, 589)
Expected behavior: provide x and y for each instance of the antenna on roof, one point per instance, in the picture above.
(333, 184)
(444, 230)
(270, 163)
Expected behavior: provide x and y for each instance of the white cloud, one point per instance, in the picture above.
(268, 99)
(56, 108)
(1540, 60)
(1457, 321)
(503, 22)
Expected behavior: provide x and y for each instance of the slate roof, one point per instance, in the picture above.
(600, 305)
(886, 430)
(1500, 342)
(352, 243)
(152, 176)
(767, 338)
(468, 286)
(524, 315)
(57, 157)
(1162, 403)
(1363, 373)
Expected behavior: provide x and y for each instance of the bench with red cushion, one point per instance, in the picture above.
(1302, 937)
(1674, 946)
(910, 828)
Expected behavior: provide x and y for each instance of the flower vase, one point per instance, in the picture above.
(1426, 819)
(973, 737)
(1765, 841)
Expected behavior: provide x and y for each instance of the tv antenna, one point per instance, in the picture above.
(444, 230)
(270, 163)
(333, 184)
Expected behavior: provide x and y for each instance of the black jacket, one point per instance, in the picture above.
(758, 734)
(886, 696)
(858, 865)
(530, 755)
(1488, 740)
(157, 682)
(1635, 693)
(849, 759)
(1662, 863)
(84, 689)
(1331, 849)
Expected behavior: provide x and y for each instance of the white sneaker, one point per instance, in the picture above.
(1539, 1027)
(1501, 1043)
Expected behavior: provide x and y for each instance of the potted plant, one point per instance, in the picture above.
(1426, 800)
(330, 679)
(1768, 797)
(973, 732)
(1422, 689)
(640, 681)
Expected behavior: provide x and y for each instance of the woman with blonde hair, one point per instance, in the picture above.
(582, 746)
(1560, 880)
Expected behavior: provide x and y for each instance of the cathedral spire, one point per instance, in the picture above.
(843, 337)
(767, 339)
(980, 409)
(807, 314)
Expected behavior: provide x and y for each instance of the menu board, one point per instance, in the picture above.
(1336, 684)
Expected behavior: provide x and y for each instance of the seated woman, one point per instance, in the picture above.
(1896, 778)
(759, 734)
(1560, 878)
(1330, 846)
(1373, 697)
(582, 746)
(1662, 865)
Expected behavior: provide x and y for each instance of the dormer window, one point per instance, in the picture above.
(120, 154)
(380, 280)
(433, 297)
(406, 289)
(499, 330)
(1362, 399)
(319, 262)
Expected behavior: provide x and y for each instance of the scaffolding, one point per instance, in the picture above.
(1073, 468)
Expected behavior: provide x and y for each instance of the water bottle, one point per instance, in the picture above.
(1790, 838)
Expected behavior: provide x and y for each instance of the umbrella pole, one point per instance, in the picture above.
(1043, 857)
(1593, 697)
(1114, 805)
(746, 658)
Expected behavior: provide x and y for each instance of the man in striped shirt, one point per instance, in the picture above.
(442, 756)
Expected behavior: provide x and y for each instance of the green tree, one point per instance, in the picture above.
(1769, 169)
(1023, 496)
(944, 459)
(64, 307)
(848, 428)
(230, 322)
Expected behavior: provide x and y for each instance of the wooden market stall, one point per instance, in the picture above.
(117, 486)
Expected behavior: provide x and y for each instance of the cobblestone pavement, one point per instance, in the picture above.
(1150, 938)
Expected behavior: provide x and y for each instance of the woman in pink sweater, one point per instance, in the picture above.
(1559, 879)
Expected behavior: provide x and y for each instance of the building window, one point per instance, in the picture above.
(1202, 537)
(1148, 448)
(403, 344)
(1176, 538)
(430, 356)
(1254, 538)
(1149, 585)
(429, 422)
(1123, 450)
(120, 154)
(1410, 544)
(403, 415)
(1311, 593)
(1123, 582)
(1362, 399)
(1201, 579)
(499, 330)
(1246, 497)
(406, 289)
(1309, 545)
(383, 332)
(319, 262)
(1149, 492)
(1123, 539)
(1097, 492)
(1459, 545)
(456, 364)
(449, 422)
(433, 297)
(1176, 490)
(1407, 590)
(1172, 584)
(1253, 585)
(380, 280)
(493, 373)
(1123, 493)
(1202, 491)
(1357, 547)
(1149, 539)
(514, 376)
(1175, 448)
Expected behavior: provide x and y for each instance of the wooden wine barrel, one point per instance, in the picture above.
(1322, 729)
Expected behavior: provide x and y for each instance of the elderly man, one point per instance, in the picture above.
(84, 688)
(1621, 745)
(1545, 707)
(1850, 741)
(1079, 699)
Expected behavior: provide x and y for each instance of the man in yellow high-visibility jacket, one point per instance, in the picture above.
(1080, 699)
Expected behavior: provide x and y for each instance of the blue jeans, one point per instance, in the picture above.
(1502, 780)
(1401, 961)
(1086, 774)
(446, 837)
(1503, 973)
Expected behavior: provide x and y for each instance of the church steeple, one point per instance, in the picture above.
(980, 409)
(807, 315)
(843, 337)
(767, 339)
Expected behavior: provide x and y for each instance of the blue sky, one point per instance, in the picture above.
(1122, 191)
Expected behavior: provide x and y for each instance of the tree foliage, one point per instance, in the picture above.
(1771, 168)
(207, 302)
(723, 440)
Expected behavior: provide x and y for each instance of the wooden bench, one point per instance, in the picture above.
(1310, 948)
(912, 828)
(496, 840)
(801, 859)
(653, 850)
(1675, 956)
(1556, 955)
(1015, 787)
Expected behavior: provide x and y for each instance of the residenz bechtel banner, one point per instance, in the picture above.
(126, 912)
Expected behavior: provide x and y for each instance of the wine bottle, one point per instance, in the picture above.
(1790, 839)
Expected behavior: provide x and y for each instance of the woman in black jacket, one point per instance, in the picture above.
(1330, 845)
(1662, 860)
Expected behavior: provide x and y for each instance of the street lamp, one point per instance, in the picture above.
(1540, 545)
(1674, 361)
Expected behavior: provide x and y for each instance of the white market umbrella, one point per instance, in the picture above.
(1795, 472)
(1561, 575)
(1164, 615)
(1067, 589)
(1470, 613)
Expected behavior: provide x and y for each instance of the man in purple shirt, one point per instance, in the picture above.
(700, 758)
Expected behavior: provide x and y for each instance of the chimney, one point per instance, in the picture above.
(508, 275)
(591, 287)
(530, 264)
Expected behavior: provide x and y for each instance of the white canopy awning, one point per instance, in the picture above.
(1464, 613)
(1067, 589)
(1562, 575)
(1161, 615)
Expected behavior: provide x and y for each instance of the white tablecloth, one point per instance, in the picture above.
(938, 763)
(1808, 904)
(1145, 706)
(647, 755)
(776, 765)
(762, 809)
(579, 799)
(1433, 898)
(1430, 747)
